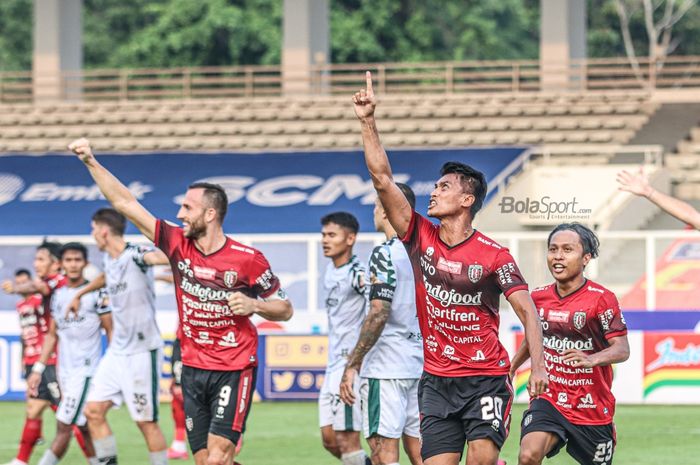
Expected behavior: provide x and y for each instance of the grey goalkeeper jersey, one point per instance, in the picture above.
(132, 298)
(345, 303)
(398, 353)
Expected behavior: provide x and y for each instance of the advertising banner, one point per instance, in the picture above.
(671, 368)
(268, 192)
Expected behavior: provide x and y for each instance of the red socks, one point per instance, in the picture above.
(30, 434)
(179, 417)
(81, 440)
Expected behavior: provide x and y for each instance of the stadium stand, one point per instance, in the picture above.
(328, 122)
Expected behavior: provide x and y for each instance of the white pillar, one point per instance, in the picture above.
(562, 41)
(306, 42)
(58, 47)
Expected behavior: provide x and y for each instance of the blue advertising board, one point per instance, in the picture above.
(268, 192)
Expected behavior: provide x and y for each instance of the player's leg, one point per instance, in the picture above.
(106, 393)
(411, 429)
(178, 448)
(591, 444)
(59, 445)
(441, 429)
(327, 406)
(197, 411)
(535, 446)
(220, 451)
(487, 403)
(411, 445)
(140, 387)
(231, 395)
(31, 432)
(383, 418)
(347, 424)
(102, 436)
(69, 413)
(155, 441)
(542, 433)
(329, 440)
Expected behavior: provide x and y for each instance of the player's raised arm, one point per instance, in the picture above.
(114, 191)
(525, 309)
(397, 208)
(637, 184)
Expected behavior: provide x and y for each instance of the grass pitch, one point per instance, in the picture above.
(287, 433)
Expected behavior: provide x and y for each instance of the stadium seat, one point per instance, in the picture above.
(507, 138)
(484, 138)
(407, 127)
(461, 139)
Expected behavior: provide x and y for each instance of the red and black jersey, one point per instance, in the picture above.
(211, 336)
(34, 324)
(457, 295)
(54, 281)
(584, 320)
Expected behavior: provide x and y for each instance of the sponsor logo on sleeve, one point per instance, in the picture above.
(265, 280)
(606, 318)
(505, 272)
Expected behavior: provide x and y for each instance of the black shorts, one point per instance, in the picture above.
(216, 402)
(48, 387)
(587, 444)
(176, 362)
(457, 410)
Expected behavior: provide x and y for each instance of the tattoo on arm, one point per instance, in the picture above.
(369, 334)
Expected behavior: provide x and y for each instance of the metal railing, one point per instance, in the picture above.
(339, 79)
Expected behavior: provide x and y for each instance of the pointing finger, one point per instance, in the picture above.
(368, 78)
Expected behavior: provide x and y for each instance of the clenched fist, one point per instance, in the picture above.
(81, 147)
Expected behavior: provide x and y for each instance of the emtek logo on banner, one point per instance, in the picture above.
(671, 360)
(12, 385)
(11, 186)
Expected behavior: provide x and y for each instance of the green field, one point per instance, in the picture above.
(286, 433)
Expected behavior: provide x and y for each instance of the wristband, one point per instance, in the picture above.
(38, 367)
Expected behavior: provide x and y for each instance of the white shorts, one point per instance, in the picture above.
(133, 379)
(332, 411)
(390, 407)
(74, 391)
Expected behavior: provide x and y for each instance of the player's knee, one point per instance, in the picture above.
(34, 409)
(216, 459)
(528, 456)
(331, 446)
(94, 413)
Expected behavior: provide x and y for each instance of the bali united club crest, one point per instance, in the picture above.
(230, 278)
(474, 272)
(579, 320)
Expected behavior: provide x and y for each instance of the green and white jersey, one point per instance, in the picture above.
(345, 303)
(132, 298)
(79, 336)
(398, 353)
